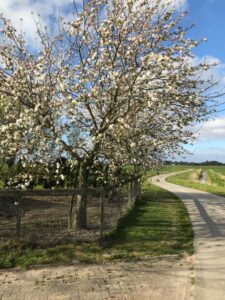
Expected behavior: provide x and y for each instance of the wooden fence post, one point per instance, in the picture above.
(71, 212)
(102, 204)
(139, 188)
(130, 194)
(17, 203)
(135, 190)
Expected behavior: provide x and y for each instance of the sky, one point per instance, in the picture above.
(208, 17)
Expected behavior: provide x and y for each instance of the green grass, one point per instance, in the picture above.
(169, 169)
(215, 184)
(177, 168)
(217, 169)
(1, 185)
(216, 178)
(157, 225)
(23, 255)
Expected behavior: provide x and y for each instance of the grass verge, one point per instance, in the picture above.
(157, 225)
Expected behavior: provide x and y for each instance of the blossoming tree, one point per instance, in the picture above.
(117, 84)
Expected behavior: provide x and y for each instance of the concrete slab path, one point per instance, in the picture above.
(207, 213)
(150, 279)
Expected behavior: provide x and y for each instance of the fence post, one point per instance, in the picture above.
(139, 188)
(17, 203)
(102, 204)
(76, 221)
(71, 212)
(130, 194)
(110, 196)
(135, 189)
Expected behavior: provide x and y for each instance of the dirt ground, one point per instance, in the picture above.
(44, 219)
(150, 279)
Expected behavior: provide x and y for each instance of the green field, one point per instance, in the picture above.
(177, 168)
(157, 225)
(169, 169)
(215, 178)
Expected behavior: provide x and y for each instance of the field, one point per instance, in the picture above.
(215, 178)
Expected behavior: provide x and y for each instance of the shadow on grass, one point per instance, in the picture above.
(158, 225)
(24, 255)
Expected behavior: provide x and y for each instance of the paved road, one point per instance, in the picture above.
(162, 279)
(207, 213)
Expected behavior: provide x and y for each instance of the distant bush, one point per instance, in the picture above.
(39, 187)
(1, 185)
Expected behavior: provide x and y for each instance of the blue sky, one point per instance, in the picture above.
(208, 15)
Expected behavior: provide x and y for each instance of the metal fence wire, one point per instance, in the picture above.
(47, 216)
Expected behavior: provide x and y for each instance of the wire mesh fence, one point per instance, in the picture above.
(49, 217)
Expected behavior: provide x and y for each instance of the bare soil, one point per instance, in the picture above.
(45, 219)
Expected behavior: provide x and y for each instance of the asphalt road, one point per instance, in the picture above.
(207, 213)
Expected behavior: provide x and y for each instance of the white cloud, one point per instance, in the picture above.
(213, 130)
(213, 78)
(203, 154)
(217, 72)
(180, 3)
(17, 9)
(210, 144)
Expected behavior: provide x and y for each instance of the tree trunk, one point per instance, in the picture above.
(78, 219)
(70, 213)
(130, 194)
(82, 201)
